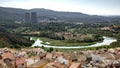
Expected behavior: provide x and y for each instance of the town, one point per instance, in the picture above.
(38, 58)
(59, 34)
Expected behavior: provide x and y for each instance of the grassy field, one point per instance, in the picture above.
(63, 42)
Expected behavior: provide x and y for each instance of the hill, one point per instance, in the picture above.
(16, 14)
(11, 40)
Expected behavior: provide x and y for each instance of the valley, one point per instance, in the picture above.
(44, 38)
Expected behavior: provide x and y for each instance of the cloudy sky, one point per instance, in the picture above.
(93, 7)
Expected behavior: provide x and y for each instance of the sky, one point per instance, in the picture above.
(92, 7)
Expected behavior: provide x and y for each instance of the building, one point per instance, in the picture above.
(2, 64)
(30, 17)
(27, 17)
(33, 17)
(75, 65)
(19, 63)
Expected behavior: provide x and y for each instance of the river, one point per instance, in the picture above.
(106, 41)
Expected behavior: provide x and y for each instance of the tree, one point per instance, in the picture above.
(43, 47)
(51, 49)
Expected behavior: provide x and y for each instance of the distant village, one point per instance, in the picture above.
(38, 58)
(110, 28)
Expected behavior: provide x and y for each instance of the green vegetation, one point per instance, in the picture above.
(77, 28)
(46, 49)
(58, 34)
(64, 42)
(13, 41)
(13, 14)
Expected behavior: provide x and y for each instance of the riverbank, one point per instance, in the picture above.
(106, 41)
(64, 42)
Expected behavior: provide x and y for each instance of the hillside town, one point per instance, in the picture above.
(38, 58)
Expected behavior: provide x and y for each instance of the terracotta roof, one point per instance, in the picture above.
(75, 65)
(0, 57)
(49, 55)
(8, 55)
(19, 61)
(82, 58)
(58, 65)
(118, 52)
(108, 56)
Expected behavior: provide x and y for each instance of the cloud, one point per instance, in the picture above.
(99, 7)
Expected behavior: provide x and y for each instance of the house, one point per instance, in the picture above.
(111, 50)
(42, 55)
(39, 64)
(2, 64)
(50, 65)
(113, 65)
(58, 65)
(82, 58)
(73, 57)
(97, 58)
(49, 56)
(75, 65)
(38, 51)
(108, 56)
(62, 61)
(57, 54)
(22, 54)
(117, 65)
(8, 57)
(31, 61)
(19, 63)
(117, 55)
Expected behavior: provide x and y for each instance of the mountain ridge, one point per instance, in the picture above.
(8, 13)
